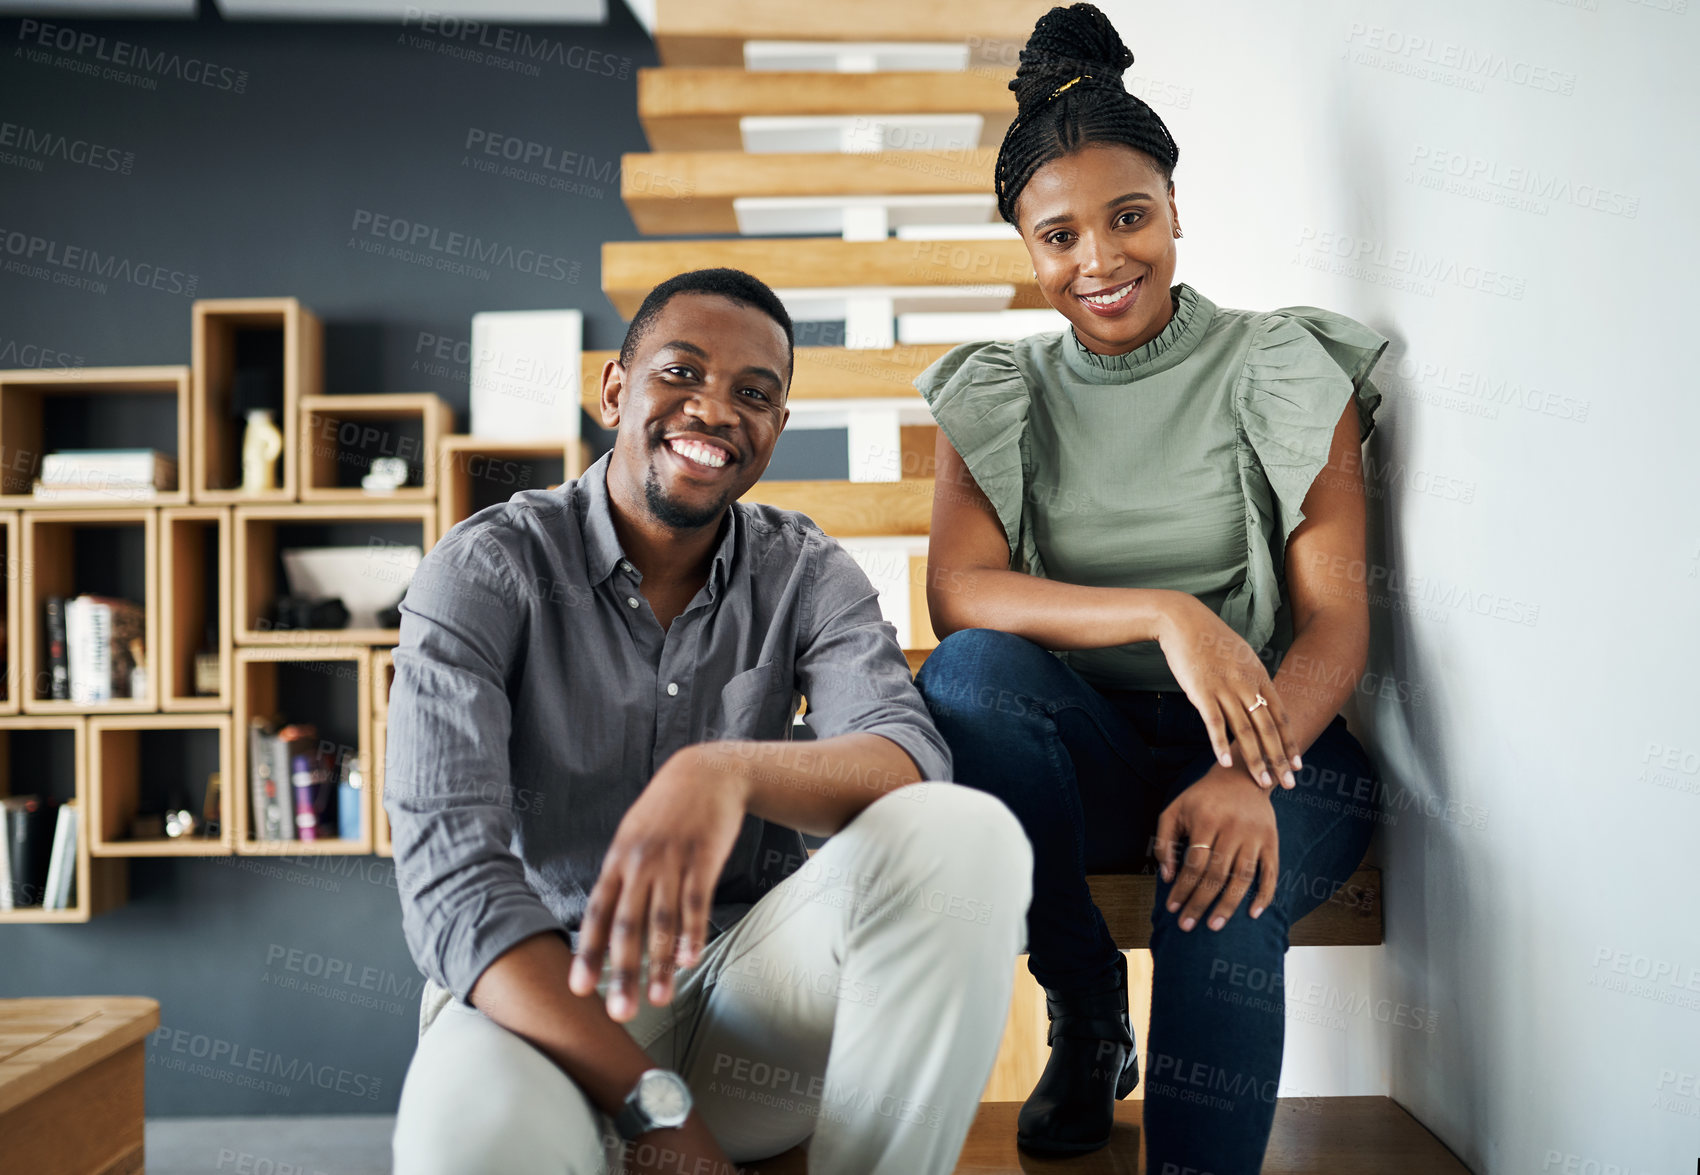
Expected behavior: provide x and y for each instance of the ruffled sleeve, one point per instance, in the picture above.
(1302, 367)
(980, 399)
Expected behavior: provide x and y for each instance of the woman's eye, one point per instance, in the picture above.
(1060, 238)
(1127, 218)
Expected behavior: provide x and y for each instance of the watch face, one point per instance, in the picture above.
(664, 1097)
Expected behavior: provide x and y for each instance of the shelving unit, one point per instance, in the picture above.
(249, 352)
(58, 747)
(383, 674)
(41, 411)
(127, 758)
(380, 818)
(340, 435)
(475, 472)
(259, 566)
(194, 590)
(12, 679)
(67, 552)
(342, 681)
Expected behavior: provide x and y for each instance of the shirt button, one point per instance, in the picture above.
(624, 566)
(672, 689)
(632, 600)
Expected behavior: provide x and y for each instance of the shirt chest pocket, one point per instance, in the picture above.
(757, 703)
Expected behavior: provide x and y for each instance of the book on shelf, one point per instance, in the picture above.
(103, 648)
(61, 888)
(269, 793)
(27, 823)
(104, 475)
(58, 669)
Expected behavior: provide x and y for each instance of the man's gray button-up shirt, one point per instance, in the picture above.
(536, 694)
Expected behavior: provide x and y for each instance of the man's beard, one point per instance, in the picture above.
(670, 513)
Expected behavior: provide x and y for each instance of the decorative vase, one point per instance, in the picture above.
(262, 443)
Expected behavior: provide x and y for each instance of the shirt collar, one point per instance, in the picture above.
(1193, 312)
(603, 552)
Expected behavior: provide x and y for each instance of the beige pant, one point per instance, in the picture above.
(859, 1006)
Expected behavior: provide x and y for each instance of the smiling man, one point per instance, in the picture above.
(596, 803)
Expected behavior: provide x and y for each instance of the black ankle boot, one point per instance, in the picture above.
(1092, 1066)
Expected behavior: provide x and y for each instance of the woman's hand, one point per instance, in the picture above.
(658, 878)
(1223, 678)
(1231, 839)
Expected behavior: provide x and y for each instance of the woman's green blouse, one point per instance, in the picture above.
(1182, 465)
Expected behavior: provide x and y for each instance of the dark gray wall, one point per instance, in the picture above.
(284, 984)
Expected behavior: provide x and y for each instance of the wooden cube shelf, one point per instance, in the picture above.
(258, 566)
(120, 773)
(340, 435)
(91, 408)
(41, 744)
(383, 675)
(52, 567)
(260, 693)
(12, 675)
(375, 781)
(475, 472)
(279, 343)
(194, 591)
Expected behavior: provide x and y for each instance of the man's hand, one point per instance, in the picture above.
(658, 878)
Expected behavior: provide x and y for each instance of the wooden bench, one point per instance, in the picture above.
(71, 1084)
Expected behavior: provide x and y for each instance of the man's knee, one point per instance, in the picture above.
(965, 841)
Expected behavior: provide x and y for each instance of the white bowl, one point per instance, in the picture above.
(367, 579)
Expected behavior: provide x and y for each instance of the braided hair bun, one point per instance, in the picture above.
(1068, 94)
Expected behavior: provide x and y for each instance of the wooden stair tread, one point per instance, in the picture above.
(849, 509)
(630, 269)
(822, 373)
(699, 109)
(1311, 1136)
(713, 32)
(692, 191)
(1351, 917)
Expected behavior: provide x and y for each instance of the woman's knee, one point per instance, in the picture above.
(984, 675)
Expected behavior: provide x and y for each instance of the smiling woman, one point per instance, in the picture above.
(1135, 529)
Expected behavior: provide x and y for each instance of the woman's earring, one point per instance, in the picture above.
(1178, 233)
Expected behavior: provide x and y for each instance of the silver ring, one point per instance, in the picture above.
(1189, 848)
(1261, 701)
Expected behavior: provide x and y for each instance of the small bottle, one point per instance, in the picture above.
(207, 663)
(349, 793)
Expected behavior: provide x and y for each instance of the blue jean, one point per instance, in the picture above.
(1087, 772)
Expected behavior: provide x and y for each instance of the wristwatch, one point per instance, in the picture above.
(658, 1101)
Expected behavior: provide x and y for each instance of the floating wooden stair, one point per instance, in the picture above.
(822, 373)
(1311, 1136)
(701, 109)
(630, 269)
(846, 509)
(713, 32)
(693, 191)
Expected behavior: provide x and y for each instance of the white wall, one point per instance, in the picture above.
(1534, 488)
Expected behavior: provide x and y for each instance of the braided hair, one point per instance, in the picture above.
(1068, 93)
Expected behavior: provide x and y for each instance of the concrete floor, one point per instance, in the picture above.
(330, 1145)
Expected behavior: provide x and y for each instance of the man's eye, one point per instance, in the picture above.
(758, 392)
(679, 370)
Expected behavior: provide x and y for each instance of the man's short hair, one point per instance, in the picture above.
(726, 283)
